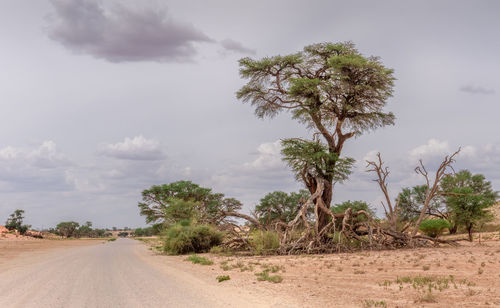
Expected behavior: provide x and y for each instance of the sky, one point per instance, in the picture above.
(103, 99)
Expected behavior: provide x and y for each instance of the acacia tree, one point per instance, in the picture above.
(467, 197)
(333, 90)
(278, 206)
(181, 200)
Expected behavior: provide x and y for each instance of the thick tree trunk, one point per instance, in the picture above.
(324, 218)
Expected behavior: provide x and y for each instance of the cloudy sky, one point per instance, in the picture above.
(102, 99)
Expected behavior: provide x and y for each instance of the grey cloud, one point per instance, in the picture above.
(118, 33)
(476, 90)
(232, 45)
(39, 169)
(137, 148)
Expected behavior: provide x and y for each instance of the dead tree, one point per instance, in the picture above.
(391, 212)
(432, 191)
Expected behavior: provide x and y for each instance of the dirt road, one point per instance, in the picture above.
(114, 274)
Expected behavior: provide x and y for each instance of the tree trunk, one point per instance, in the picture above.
(469, 230)
(323, 218)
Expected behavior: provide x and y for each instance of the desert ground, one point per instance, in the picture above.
(464, 276)
(131, 273)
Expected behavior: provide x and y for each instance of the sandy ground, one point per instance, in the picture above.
(123, 273)
(14, 249)
(465, 276)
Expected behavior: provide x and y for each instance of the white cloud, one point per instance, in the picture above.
(137, 148)
(269, 157)
(434, 148)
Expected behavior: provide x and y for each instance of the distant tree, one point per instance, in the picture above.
(333, 90)
(15, 222)
(169, 203)
(411, 202)
(355, 206)
(280, 206)
(468, 197)
(67, 228)
(123, 234)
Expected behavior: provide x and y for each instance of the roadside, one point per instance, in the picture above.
(465, 276)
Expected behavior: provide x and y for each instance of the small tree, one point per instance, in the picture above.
(468, 197)
(279, 206)
(67, 228)
(15, 222)
(411, 202)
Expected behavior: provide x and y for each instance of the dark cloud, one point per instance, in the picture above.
(235, 46)
(476, 90)
(118, 33)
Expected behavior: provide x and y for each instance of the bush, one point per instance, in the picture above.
(264, 242)
(223, 278)
(434, 227)
(196, 259)
(182, 239)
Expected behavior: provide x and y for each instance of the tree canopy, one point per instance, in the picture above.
(468, 197)
(170, 203)
(280, 206)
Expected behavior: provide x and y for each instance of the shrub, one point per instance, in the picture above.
(264, 242)
(196, 259)
(182, 239)
(223, 278)
(434, 227)
(264, 276)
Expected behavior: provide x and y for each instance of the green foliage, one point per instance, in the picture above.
(123, 234)
(411, 202)
(167, 204)
(434, 227)
(264, 242)
(15, 222)
(112, 239)
(149, 231)
(314, 158)
(468, 197)
(323, 83)
(280, 206)
(199, 260)
(67, 228)
(182, 239)
(223, 278)
(264, 276)
(355, 206)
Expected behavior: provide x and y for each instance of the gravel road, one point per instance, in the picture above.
(113, 274)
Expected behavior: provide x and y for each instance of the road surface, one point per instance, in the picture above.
(112, 274)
